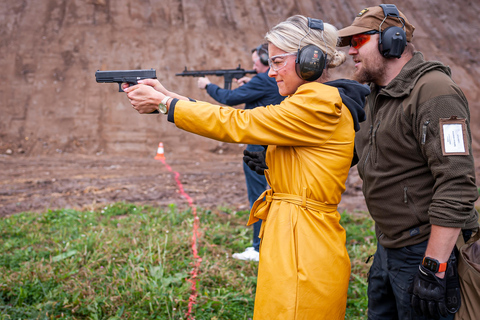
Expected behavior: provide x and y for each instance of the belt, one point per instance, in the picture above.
(261, 207)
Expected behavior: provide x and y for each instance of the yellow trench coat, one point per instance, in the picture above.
(304, 267)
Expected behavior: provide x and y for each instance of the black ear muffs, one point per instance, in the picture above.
(311, 60)
(262, 54)
(310, 63)
(393, 40)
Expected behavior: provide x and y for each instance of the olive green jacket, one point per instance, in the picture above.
(407, 181)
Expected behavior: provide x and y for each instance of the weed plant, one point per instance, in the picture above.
(133, 262)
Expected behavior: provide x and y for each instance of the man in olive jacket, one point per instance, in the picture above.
(415, 159)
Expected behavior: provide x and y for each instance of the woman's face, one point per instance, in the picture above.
(282, 68)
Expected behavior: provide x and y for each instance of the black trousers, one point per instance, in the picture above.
(391, 274)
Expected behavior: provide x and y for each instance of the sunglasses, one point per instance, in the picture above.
(358, 40)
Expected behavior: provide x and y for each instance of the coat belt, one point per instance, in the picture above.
(261, 207)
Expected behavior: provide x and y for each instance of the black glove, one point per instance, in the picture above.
(453, 297)
(255, 160)
(428, 294)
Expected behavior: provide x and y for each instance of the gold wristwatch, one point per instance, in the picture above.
(162, 106)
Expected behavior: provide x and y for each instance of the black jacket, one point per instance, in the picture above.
(260, 91)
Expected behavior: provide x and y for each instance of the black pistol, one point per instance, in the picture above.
(128, 76)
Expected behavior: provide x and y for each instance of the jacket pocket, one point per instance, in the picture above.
(409, 201)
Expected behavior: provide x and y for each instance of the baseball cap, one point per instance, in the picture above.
(370, 19)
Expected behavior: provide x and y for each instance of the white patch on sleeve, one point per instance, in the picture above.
(453, 138)
(453, 134)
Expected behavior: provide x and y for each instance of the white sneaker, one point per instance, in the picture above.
(249, 254)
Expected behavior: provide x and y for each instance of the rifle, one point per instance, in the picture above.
(228, 74)
(120, 76)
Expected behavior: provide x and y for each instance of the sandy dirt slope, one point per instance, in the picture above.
(51, 49)
(67, 141)
(213, 181)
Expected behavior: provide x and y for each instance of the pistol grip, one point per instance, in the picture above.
(130, 83)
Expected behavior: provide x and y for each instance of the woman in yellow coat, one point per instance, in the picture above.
(304, 267)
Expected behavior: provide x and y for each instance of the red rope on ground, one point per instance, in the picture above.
(197, 259)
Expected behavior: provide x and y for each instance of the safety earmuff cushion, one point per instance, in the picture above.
(310, 63)
(392, 42)
(263, 55)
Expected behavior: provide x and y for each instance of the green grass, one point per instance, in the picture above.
(133, 262)
(361, 243)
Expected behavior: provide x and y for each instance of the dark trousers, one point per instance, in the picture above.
(391, 274)
(256, 184)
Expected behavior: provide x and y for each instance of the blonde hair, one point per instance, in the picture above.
(287, 36)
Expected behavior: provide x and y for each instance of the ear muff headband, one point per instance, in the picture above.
(262, 54)
(311, 60)
(393, 40)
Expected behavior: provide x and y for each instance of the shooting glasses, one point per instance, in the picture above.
(275, 64)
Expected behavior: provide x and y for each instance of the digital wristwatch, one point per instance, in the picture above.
(433, 265)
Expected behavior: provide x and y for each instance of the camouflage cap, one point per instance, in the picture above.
(370, 19)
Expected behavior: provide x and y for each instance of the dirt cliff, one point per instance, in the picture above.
(67, 141)
(51, 49)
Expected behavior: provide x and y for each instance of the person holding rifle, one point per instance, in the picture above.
(261, 90)
(304, 268)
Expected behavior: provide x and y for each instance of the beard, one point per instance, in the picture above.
(373, 69)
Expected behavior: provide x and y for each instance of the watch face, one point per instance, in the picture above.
(162, 108)
(430, 264)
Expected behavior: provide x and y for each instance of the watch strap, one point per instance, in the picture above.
(442, 267)
(165, 100)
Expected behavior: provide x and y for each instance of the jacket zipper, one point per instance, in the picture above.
(372, 112)
(405, 198)
(372, 104)
(374, 140)
(369, 150)
(370, 137)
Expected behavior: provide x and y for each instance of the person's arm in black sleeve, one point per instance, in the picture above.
(251, 91)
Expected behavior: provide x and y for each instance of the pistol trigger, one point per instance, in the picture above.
(120, 87)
